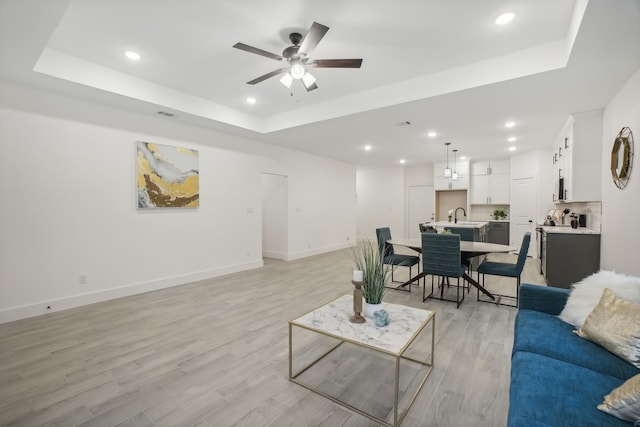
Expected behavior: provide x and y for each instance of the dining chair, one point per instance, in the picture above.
(466, 235)
(441, 258)
(390, 257)
(506, 269)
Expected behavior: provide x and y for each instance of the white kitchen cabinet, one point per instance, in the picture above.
(489, 183)
(490, 167)
(442, 183)
(577, 158)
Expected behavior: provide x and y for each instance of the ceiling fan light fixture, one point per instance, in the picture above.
(308, 79)
(297, 71)
(286, 80)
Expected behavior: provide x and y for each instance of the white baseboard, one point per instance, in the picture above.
(275, 254)
(317, 251)
(36, 309)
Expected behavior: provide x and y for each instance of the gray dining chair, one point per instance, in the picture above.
(466, 235)
(390, 257)
(441, 259)
(506, 270)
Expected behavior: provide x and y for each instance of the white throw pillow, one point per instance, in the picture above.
(586, 294)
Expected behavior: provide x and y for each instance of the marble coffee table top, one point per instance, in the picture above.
(333, 319)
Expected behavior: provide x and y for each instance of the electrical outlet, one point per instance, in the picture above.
(83, 279)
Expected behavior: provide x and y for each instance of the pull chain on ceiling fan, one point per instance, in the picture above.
(296, 58)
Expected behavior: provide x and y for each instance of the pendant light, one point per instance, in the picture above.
(447, 170)
(454, 175)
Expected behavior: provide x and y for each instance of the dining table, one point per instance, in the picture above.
(467, 250)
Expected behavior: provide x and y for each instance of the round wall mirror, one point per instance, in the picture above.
(622, 157)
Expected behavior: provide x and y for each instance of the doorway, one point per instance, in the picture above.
(274, 189)
(420, 208)
(523, 211)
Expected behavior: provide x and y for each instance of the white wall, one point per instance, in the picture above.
(68, 206)
(620, 247)
(275, 206)
(380, 200)
(419, 175)
(322, 203)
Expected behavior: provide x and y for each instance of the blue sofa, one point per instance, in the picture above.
(558, 378)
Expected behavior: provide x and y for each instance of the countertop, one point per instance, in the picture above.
(568, 230)
(466, 224)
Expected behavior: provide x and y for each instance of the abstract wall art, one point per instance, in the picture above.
(167, 177)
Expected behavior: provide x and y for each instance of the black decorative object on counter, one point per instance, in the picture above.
(574, 220)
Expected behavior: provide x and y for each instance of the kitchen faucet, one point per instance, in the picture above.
(456, 214)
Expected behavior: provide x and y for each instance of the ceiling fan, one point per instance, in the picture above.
(296, 58)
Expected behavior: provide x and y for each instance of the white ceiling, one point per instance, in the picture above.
(442, 65)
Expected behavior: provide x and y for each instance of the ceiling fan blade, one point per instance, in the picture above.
(336, 63)
(267, 76)
(257, 51)
(313, 37)
(311, 87)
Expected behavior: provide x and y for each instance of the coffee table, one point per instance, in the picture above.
(395, 339)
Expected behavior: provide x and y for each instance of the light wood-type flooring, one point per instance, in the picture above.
(215, 353)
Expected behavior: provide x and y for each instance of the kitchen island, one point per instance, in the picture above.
(440, 225)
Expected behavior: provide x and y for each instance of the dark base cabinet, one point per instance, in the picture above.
(569, 258)
(498, 232)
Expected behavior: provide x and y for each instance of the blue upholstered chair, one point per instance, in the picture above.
(466, 235)
(390, 257)
(507, 270)
(441, 258)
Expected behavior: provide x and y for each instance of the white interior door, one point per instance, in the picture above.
(421, 199)
(523, 211)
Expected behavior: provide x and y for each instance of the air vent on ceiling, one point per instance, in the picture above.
(405, 123)
(164, 113)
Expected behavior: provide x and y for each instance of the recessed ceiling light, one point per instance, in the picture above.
(367, 148)
(251, 100)
(463, 157)
(403, 161)
(512, 148)
(134, 56)
(432, 134)
(505, 18)
(511, 138)
(510, 124)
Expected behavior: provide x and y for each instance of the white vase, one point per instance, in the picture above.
(369, 309)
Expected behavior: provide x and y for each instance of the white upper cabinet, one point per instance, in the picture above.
(490, 182)
(577, 159)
